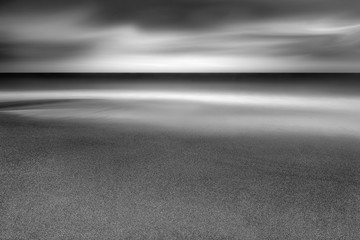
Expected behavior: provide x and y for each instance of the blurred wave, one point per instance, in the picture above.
(186, 110)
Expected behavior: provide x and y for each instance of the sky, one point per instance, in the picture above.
(179, 36)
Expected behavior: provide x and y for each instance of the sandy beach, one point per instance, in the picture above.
(72, 179)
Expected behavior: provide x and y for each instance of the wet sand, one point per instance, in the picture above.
(91, 180)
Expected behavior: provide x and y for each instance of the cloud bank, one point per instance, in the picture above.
(180, 36)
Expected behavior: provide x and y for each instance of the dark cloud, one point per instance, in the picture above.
(38, 51)
(13, 49)
(207, 13)
(189, 13)
(5, 53)
(327, 47)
